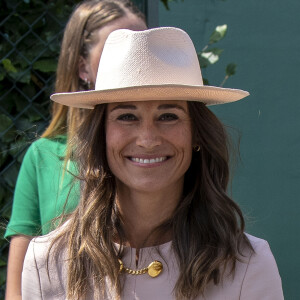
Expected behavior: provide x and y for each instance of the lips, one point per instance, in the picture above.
(152, 160)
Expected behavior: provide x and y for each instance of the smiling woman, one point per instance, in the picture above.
(154, 219)
(149, 145)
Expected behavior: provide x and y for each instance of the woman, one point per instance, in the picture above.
(43, 183)
(154, 220)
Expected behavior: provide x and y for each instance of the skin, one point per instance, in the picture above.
(88, 67)
(147, 193)
(87, 70)
(17, 251)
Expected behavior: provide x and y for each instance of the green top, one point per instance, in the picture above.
(42, 188)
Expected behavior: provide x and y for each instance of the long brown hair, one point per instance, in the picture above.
(79, 37)
(207, 226)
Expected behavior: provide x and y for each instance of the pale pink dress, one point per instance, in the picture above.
(256, 278)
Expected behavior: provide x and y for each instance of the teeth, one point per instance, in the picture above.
(148, 161)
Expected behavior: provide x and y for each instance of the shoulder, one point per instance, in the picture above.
(55, 144)
(40, 276)
(259, 245)
(262, 251)
(38, 248)
(261, 279)
(45, 149)
(256, 275)
(44, 242)
(44, 145)
(45, 253)
(41, 151)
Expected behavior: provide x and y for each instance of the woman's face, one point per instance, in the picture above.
(129, 21)
(148, 144)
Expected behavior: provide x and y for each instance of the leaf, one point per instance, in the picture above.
(9, 136)
(11, 174)
(33, 115)
(7, 101)
(2, 74)
(165, 2)
(6, 209)
(45, 65)
(20, 104)
(202, 61)
(2, 275)
(218, 34)
(231, 69)
(8, 66)
(2, 263)
(23, 123)
(16, 147)
(21, 77)
(2, 193)
(212, 55)
(205, 81)
(3, 156)
(25, 78)
(5, 122)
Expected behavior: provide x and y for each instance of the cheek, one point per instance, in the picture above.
(111, 146)
(115, 141)
(112, 138)
(183, 138)
(185, 141)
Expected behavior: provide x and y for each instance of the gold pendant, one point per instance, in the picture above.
(155, 268)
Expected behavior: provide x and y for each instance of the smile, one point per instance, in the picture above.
(148, 160)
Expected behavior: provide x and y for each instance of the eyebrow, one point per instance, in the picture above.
(161, 107)
(168, 106)
(124, 106)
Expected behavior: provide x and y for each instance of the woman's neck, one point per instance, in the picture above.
(142, 212)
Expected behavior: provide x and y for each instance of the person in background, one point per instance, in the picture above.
(45, 180)
(154, 220)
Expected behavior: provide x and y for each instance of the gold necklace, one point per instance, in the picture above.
(153, 270)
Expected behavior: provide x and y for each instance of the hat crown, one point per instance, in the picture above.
(152, 57)
(155, 64)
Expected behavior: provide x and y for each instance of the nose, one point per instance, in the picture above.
(148, 136)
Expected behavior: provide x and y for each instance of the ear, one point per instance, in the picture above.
(82, 69)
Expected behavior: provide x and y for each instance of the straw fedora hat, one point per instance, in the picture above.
(154, 64)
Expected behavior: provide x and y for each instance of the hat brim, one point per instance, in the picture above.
(210, 95)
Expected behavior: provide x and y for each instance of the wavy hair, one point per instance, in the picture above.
(207, 226)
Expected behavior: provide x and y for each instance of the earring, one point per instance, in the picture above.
(197, 148)
(88, 83)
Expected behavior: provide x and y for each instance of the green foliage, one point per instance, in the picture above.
(8, 66)
(45, 65)
(166, 3)
(218, 34)
(31, 32)
(209, 56)
(230, 69)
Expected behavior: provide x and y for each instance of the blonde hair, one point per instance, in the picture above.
(78, 39)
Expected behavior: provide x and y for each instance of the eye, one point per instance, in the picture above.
(127, 117)
(168, 117)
